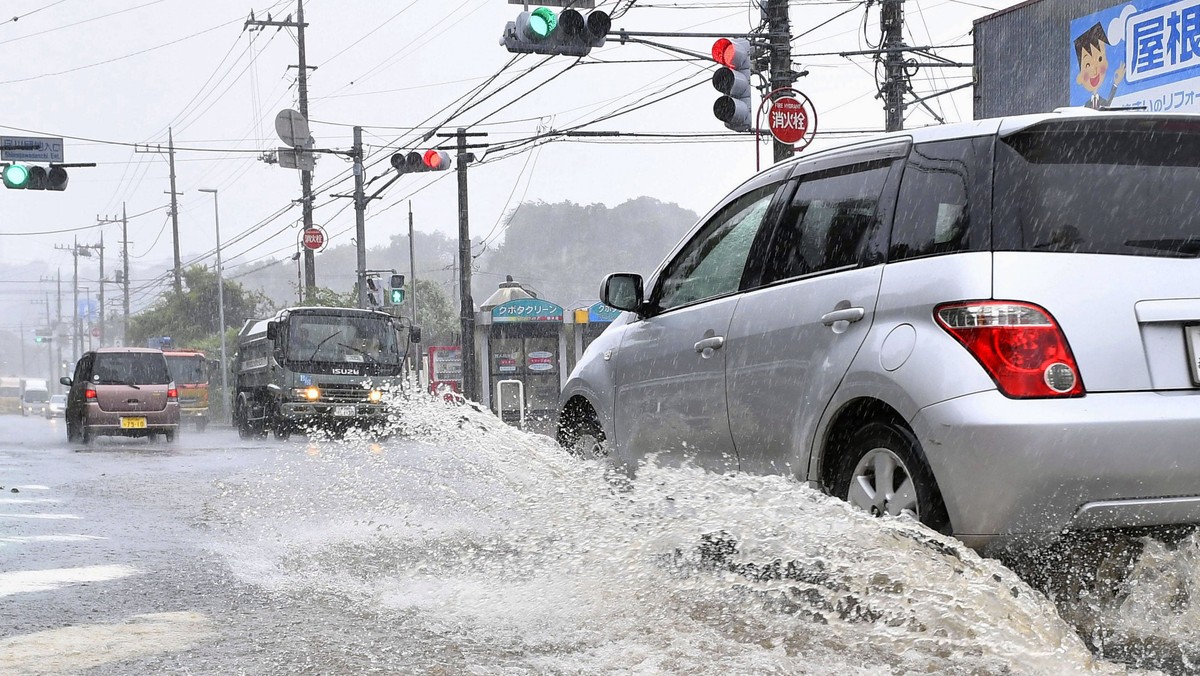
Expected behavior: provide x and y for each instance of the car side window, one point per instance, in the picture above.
(712, 263)
(934, 206)
(828, 221)
(82, 368)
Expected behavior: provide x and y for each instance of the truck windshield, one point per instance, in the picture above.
(187, 369)
(1101, 186)
(36, 396)
(330, 338)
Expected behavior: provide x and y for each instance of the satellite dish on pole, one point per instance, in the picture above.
(292, 128)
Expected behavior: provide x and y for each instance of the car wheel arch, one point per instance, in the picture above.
(843, 425)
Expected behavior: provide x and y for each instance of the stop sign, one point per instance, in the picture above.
(314, 238)
(788, 119)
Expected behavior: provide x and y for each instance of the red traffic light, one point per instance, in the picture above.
(436, 160)
(723, 51)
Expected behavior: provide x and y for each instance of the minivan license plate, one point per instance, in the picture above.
(343, 411)
(1193, 343)
(133, 423)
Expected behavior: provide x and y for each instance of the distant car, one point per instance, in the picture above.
(57, 406)
(993, 327)
(121, 392)
(34, 401)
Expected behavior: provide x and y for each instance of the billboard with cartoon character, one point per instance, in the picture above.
(1143, 54)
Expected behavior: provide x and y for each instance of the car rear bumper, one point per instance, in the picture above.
(1043, 467)
(109, 422)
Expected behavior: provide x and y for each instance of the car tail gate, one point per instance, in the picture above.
(123, 398)
(1095, 221)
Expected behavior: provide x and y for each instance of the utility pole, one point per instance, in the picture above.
(895, 82)
(412, 268)
(101, 282)
(124, 273)
(310, 270)
(467, 305)
(174, 213)
(76, 337)
(779, 28)
(45, 301)
(360, 219)
(22, 348)
(57, 324)
(174, 202)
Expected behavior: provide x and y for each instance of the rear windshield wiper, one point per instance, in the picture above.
(1189, 246)
(119, 382)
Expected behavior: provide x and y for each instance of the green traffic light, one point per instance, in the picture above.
(397, 296)
(16, 176)
(542, 22)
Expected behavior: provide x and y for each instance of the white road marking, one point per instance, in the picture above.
(26, 501)
(25, 581)
(17, 539)
(31, 487)
(75, 649)
(39, 516)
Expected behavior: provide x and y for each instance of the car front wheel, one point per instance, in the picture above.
(884, 472)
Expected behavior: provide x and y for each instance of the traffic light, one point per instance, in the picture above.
(396, 290)
(25, 177)
(372, 292)
(16, 176)
(568, 34)
(732, 79)
(416, 161)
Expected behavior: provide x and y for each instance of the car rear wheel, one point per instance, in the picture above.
(86, 435)
(170, 436)
(884, 472)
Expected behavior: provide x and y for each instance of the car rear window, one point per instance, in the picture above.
(188, 369)
(138, 368)
(1100, 186)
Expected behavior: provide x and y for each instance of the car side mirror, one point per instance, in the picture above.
(414, 334)
(65, 380)
(623, 291)
(272, 330)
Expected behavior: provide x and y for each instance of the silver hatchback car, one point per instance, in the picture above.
(992, 326)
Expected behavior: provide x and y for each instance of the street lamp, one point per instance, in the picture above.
(220, 305)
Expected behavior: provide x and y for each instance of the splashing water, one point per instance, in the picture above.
(488, 550)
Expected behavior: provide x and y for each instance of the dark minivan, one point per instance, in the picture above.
(121, 392)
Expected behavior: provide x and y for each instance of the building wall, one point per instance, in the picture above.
(1022, 56)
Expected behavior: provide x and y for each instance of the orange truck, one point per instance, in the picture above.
(189, 370)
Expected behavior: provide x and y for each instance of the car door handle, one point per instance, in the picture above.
(714, 343)
(850, 314)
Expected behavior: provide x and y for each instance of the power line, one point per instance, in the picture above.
(31, 12)
(119, 58)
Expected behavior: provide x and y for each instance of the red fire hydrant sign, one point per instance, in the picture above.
(314, 238)
(788, 119)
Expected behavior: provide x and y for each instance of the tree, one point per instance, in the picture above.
(439, 322)
(193, 316)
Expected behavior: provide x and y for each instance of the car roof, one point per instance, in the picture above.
(122, 350)
(1002, 126)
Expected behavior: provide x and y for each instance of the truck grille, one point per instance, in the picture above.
(343, 393)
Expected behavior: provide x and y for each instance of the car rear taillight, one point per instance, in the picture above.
(172, 393)
(1019, 344)
(89, 394)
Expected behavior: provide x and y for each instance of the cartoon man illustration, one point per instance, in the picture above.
(1093, 66)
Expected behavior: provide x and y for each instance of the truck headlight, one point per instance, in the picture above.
(375, 396)
(311, 393)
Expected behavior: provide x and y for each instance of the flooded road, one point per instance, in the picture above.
(464, 546)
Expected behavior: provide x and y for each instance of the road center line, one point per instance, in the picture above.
(26, 581)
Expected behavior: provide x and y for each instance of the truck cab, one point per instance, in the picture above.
(316, 367)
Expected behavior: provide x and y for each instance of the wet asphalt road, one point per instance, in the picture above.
(105, 567)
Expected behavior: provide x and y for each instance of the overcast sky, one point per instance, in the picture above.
(120, 72)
